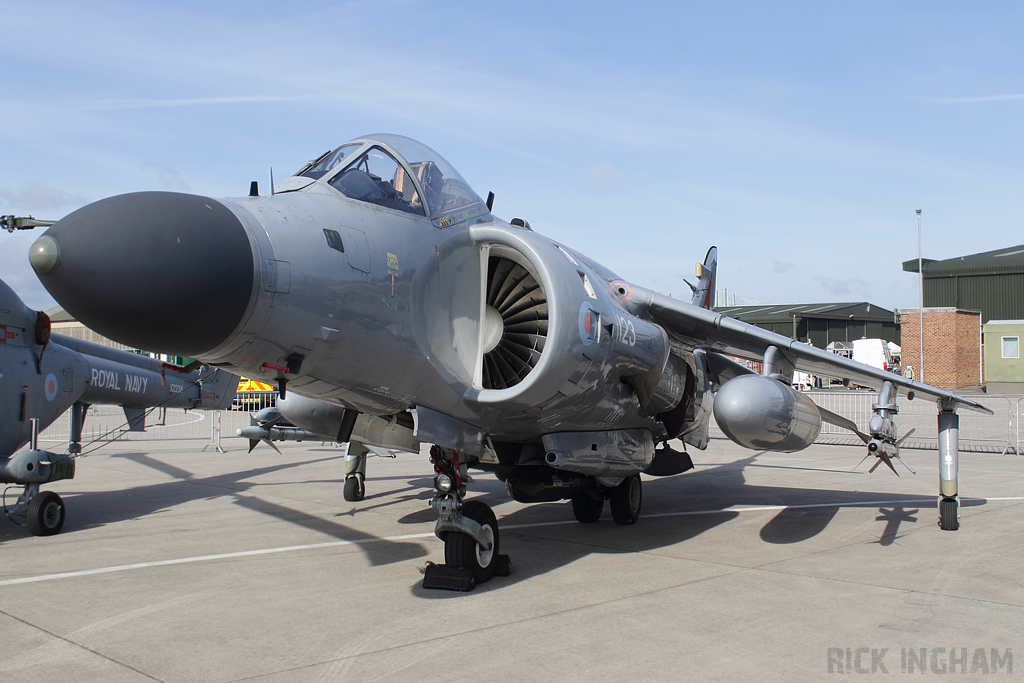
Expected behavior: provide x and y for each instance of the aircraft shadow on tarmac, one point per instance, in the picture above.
(676, 509)
(98, 508)
(680, 508)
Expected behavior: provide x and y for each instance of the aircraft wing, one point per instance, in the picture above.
(694, 327)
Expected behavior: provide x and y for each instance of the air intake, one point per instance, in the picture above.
(516, 320)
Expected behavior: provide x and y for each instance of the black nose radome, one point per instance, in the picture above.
(159, 271)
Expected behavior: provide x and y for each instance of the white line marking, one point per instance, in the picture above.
(923, 502)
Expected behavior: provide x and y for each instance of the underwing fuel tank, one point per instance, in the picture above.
(764, 414)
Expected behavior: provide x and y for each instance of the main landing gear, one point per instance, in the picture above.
(625, 500)
(469, 530)
(43, 512)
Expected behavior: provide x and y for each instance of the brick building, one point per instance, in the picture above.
(952, 346)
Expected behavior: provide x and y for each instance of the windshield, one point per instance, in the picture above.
(377, 178)
(319, 167)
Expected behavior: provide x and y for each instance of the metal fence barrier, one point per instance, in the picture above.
(108, 423)
(978, 431)
(1000, 433)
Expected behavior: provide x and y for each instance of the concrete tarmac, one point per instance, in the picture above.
(182, 565)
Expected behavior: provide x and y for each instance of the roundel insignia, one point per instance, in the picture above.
(50, 387)
(589, 324)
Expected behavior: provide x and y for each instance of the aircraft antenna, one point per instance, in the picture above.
(271, 181)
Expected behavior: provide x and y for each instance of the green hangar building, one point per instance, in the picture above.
(991, 282)
(821, 324)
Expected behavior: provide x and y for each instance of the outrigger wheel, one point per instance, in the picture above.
(45, 515)
(949, 514)
(463, 552)
(355, 487)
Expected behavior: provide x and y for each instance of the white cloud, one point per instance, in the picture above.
(602, 176)
(44, 201)
(168, 177)
(978, 100)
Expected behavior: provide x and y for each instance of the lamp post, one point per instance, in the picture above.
(920, 311)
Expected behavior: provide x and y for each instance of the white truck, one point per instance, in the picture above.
(877, 353)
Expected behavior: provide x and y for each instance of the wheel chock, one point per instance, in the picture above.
(443, 577)
(504, 566)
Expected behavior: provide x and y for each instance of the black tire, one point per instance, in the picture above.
(949, 514)
(587, 508)
(355, 489)
(462, 552)
(626, 499)
(45, 514)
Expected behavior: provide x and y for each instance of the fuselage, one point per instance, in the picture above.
(379, 290)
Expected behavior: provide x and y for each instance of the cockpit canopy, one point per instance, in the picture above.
(395, 172)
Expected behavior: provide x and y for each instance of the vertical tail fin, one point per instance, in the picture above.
(704, 292)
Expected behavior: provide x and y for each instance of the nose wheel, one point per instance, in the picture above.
(462, 551)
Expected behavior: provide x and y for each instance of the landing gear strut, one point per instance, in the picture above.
(42, 512)
(355, 471)
(949, 465)
(469, 529)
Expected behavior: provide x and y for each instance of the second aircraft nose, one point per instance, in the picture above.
(159, 271)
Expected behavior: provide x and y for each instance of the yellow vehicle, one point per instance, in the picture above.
(253, 395)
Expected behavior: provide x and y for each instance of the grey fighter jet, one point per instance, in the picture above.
(376, 281)
(42, 375)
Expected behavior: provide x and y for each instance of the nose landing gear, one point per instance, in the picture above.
(469, 530)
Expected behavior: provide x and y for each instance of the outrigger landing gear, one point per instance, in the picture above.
(949, 465)
(469, 530)
(355, 471)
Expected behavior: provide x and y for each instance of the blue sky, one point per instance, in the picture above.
(797, 136)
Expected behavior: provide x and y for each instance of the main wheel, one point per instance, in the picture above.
(626, 499)
(461, 551)
(587, 508)
(949, 514)
(45, 514)
(355, 488)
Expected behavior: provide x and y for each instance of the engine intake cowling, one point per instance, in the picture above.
(764, 414)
